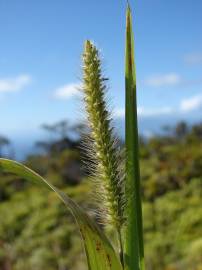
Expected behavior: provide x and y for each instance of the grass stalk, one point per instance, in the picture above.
(103, 147)
(133, 246)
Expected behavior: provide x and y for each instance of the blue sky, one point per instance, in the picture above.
(40, 58)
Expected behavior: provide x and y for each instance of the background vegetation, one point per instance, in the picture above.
(37, 233)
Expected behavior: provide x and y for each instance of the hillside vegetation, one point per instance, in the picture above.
(36, 231)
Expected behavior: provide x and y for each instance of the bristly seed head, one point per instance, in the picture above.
(108, 173)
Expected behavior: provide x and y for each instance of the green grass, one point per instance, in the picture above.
(134, 246)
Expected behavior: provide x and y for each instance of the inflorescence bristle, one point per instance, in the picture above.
(107, 169)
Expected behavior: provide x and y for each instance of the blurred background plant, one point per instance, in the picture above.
(34, 233)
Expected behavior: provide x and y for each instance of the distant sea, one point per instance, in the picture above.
(24, 143)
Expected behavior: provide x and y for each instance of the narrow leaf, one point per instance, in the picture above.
(100, 254)
(134, 249)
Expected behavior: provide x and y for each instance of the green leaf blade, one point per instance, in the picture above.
(134, 248)
(100, 253)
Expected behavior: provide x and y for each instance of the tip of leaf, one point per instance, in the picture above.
(87, 45)
(128, 6)
(128, 13)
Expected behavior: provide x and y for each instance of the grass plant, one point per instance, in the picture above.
(117, 188)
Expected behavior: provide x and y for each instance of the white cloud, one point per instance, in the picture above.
(67, 91)
(193, 58)
(160, 80)
(14, 84)
(119, 113)
(144, 112)
(191, 104)
(185, 106)
(154, 112)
